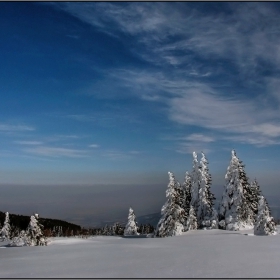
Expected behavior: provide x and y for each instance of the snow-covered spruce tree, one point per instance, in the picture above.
(195, 183)
(173, 215)
(191, 221)
(255, 194)
(6, 229)
(131, 227)
(186, 196)
(235, 211)
(34, 232)
(265, 224)
(206, 214)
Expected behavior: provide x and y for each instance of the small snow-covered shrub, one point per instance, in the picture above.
(20, 240)
(206, 223)
(232, 226)
(192, 221)
(214, 224)
(222, 224)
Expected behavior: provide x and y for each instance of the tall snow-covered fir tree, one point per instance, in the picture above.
(5, 232)
(205, 211)
(131, 227)
(265, 224)
(186, 195)
(173, 215)
(235, 211)
(195, 183)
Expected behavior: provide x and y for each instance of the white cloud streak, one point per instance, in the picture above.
(15, 128)
(206, 106)
(28, 142)
(199, 138)
(234, 35)
(56, 152)
(94, 146)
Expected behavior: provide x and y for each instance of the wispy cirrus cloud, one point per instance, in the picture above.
(28, 142)
(192, 46)
(193, 142)
(94, 146)
(15, 128)
(197, 137)
(56, 152)
(174, 33)
(253, 139)
(207, 106)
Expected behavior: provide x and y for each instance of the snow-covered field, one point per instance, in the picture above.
(202, 254)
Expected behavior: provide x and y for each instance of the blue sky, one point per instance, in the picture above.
(102, 93)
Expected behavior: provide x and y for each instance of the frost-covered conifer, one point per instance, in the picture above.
(195, 183)
(131, 227)
(6, 229)
(186, 195)
(34, 232)
(205, 212)
(191, 221)
(265, 224)
(255, 194)
(235, 211)
(173, 215)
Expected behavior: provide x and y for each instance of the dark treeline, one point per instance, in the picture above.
(116, 229)
(52, 227)
(60, 228)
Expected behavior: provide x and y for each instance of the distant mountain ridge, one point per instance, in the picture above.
(22, 222)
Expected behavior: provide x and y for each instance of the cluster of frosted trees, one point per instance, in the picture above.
(242, 205)
(190, 206)
(32, 236)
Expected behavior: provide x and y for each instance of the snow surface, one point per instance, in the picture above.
(195, 254)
